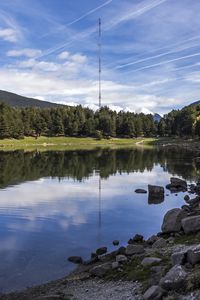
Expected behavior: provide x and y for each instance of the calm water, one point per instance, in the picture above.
(57, 204)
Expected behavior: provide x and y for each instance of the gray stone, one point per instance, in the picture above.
(75, 259)
(115, 242)
(134, 249)
(152, 239)
(156, 190)
(150, 261)
(138, 238)
(191, 224)
(178, 258)
(155, 292)
(121, 250)
(121, 258)
(115, 265)
(161, 243)
(193, 256)
(140, 191)
(175, 279)
(177, 182)
(101, 251)
(187, 198)
(172, 220)
(101, 270)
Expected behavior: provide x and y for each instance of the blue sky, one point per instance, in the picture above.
(151, 52)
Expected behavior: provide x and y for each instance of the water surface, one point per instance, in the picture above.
(57, 204)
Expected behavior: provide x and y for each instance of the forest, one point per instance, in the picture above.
(78, 121)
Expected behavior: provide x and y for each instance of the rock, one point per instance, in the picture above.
(156, 194)
(186, 208)
(156, 190)
(160, 243)
(187, 198)
(115, 242)
(193, 256)
(101, 251)
(150, 261)
(170, 241)
(191, 224)
(134, 249)
(121, 258)
(94, 255)
(178, 258)
(140, 191)
(75, 259)
(177, 182)
(51, 297)
(115, 265)
(138, 238)
(152, 239)
(101, 270)
(175, 279)
(172, 220)
(155, 292)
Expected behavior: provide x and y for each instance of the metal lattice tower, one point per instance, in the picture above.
(100, 62)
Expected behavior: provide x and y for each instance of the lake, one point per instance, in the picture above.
(57, 204)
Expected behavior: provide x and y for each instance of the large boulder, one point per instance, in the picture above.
(160, 243)
(121, 258)
(175, 279)
(191, 224)
(172, 220)
(178, 258)
(193, 256)
(134, 249)
(178, 183)
(147, 261)
(155, 292)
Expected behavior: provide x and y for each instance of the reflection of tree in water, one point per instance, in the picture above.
(19, 166)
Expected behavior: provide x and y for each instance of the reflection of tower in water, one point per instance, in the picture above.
(99, 212)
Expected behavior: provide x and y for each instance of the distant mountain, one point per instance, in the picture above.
(20, 101)
(157, 117)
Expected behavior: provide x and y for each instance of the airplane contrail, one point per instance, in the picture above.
(165, 62)
(125, 17)
(155, 56)
(89, 13)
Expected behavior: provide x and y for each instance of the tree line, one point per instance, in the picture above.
(73, 121)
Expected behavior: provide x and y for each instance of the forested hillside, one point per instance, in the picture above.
(20, 101)
(73, 121)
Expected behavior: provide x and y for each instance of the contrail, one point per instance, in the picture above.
(117, 21)
(155, 56)
(165, 62)
(89, 13)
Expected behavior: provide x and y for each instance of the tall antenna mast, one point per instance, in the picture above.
(100, 46)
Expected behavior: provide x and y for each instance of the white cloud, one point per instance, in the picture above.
(8, 34)
(78, 58)
(64, 55)
(24, 52)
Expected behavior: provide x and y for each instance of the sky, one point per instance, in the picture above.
(150, 52)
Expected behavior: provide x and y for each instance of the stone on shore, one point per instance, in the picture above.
(172, 220)
(140, 191)
(101, 270)
(160, 243)
(152, 239)
(134, 249)
(75, 259)
(193, 256)
(175, 279)
(121, 258)
(101, 251)
(177, 182)
(155, 292)
(178, 258)
(156, 190)
(115, 242)
(147, 261)
(191, 224)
